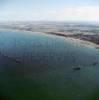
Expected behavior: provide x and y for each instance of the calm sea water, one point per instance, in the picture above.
(36, 66)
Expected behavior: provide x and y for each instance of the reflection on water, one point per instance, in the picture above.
(44, 67)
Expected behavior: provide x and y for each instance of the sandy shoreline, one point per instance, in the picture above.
(85, 42)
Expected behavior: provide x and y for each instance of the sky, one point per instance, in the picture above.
(49, 10)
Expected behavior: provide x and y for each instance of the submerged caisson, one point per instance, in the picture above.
(47, 67)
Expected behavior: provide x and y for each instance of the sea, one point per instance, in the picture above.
(39, 66)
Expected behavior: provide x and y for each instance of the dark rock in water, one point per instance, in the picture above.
(15, 60)
(76, 68)
(95, 63)
(11, 58)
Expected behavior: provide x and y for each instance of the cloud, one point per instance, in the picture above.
(83, 13)
(77, 13)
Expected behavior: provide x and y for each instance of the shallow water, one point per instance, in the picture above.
(45, 70)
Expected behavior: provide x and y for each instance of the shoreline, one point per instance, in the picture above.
(83, 39)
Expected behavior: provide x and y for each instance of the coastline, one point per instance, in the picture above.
(73, 37)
